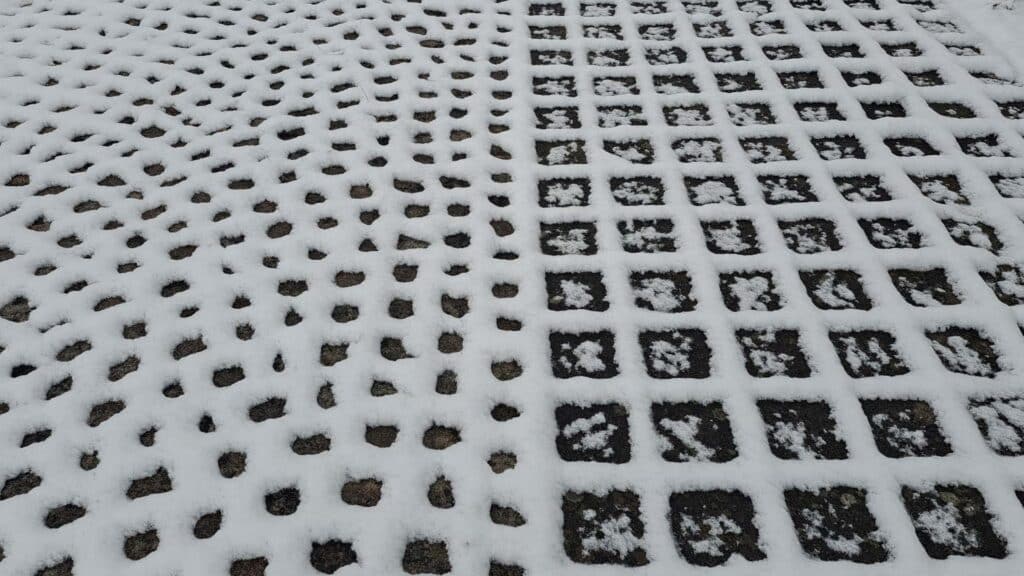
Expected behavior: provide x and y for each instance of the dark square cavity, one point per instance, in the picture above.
(1001, 423)
(693, 432)
(749, 290)
(665, 55)
(902, 50)
(681, 353)
(554, 86)
(587, 354)
(547, 32)
(836, 514)
(612, 116)
(866, 353)
(987, 146)
(973, 234)
(593, 433)
(786, 189)
(965, 351)
(749, 114)
(657, 32)
(564, 192)
(929, 287)
(926, 78)
(597, 9)
(801, 430)
(1008, 186)
(694, 115)
(615, 86)
(611, 57)
(603, 528)
(866, 188)
(662, 291)
(636, 151)
(1013, 109)
(890, 233)
(941, 188)
(910, 147)
(710, 526)
(842, 50)
(561, 152)
(712, 29)
(767, 27)
(737, 82)
(668, 84)
(1006, 282)
(568, 238)
(952, 109)
(550, 57)
(840, 147)
(880, 110)
(905, 428)
(953, 520)
(713, 190)
(648, 236)
(698, 149)
(782, 52)
(835, 289)
(865, 78)
(768, 149)
(602, 31)
(731, 237)
(638, 191)
(557, 118)
(800, 79)
(724, 53)
(773, 352)
(810, 235)
(576, 291)
(818, 111)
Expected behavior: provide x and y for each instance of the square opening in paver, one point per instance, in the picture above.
(891, 233)
(713, 190)
(965, 351)
(1001, 422)
(564, 192)
(773, 352)
(905, 428)
(711, 526)
(662, 291)
(834, 523)
(587, 354)
(953, 520)
(681, 353)
(749, 290)
(731, 237)
(603, 528)
(866, 353)
(593, 433)
(576, 291)
(693, 432)
(786, 189)
(648, 235)
(930, 287)
(568, 238)
(835, 289)
(810, 236)
(801, 430)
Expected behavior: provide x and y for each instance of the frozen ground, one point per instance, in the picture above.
(511, 287)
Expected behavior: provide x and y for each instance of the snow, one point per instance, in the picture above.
(686, 431)
(382, 242)
(613, 535)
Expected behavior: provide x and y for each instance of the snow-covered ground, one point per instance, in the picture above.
(511, 287)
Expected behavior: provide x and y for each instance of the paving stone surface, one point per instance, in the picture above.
(509, 287)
